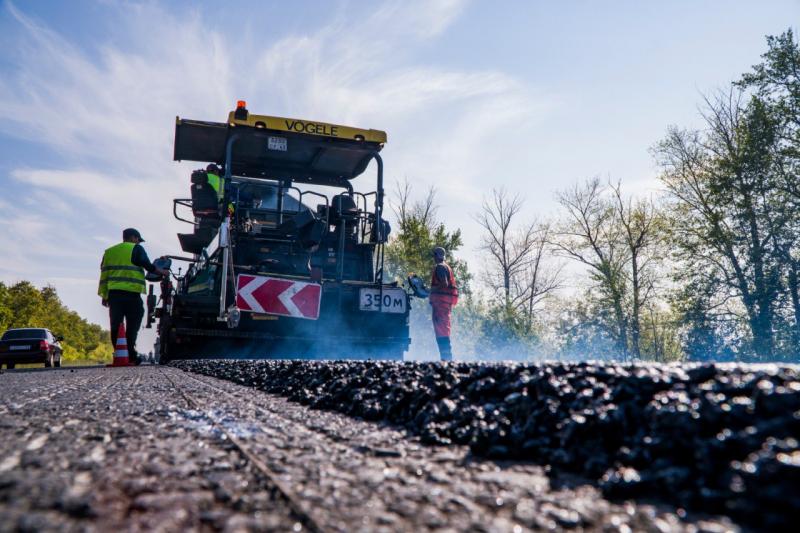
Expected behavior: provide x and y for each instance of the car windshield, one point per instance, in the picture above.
(14, 334)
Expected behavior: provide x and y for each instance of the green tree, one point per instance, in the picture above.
(734, 194)
(706, 333)
(776, 80)
(727, 210)
(5, 310)
(26, 305)
(23, 305)
(660, 334)
(580, 329)
(776, 83)
(410, 248)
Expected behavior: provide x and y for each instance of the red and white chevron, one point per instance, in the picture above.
(277, 296)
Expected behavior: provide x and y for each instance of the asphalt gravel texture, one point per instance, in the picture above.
(158, 449)
(712, 438)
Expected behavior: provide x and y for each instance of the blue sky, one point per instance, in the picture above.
(533, 96)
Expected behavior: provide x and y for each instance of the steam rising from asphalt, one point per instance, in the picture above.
(470, 343)
(470, 340)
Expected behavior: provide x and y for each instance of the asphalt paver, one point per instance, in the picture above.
(159, 449)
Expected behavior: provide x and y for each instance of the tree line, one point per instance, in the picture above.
(22, 305)
(706, 268)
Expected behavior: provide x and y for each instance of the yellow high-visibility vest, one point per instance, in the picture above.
(216, 183)
(118, 273)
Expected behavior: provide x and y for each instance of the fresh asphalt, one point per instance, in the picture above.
(157, 448)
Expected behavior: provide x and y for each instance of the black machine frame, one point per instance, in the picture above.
(332, 162)
(286, 183)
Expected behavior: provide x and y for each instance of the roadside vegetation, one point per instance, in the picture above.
(22, 305)
(707, 268)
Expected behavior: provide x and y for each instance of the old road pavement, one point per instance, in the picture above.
(158, 449)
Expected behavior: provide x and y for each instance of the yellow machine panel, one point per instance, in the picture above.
(308, 127)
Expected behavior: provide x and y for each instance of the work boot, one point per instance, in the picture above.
(445, 352)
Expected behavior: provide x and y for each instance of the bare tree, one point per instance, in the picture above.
(518, 265)
(540, 278)
(405, 209)
(508, 247)
(591, 236)
(639, 222)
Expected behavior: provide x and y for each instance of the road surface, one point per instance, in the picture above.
(159, 449)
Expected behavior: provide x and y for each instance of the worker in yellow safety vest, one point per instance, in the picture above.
(122, 283)
(217, 183)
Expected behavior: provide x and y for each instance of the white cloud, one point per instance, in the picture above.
(423, 19)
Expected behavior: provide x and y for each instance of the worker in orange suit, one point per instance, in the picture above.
(443, 297)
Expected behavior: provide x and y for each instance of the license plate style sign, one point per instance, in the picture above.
(389, 301)
(18, 347)
(277, 143)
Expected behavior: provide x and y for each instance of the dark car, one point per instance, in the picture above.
(30, 346)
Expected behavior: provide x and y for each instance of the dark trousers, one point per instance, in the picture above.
(128, 306)
(445, 352)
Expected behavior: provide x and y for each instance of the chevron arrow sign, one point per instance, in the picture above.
(276, 296)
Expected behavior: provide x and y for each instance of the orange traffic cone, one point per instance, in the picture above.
(121, 348)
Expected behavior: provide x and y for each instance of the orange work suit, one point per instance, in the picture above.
(443, 297)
